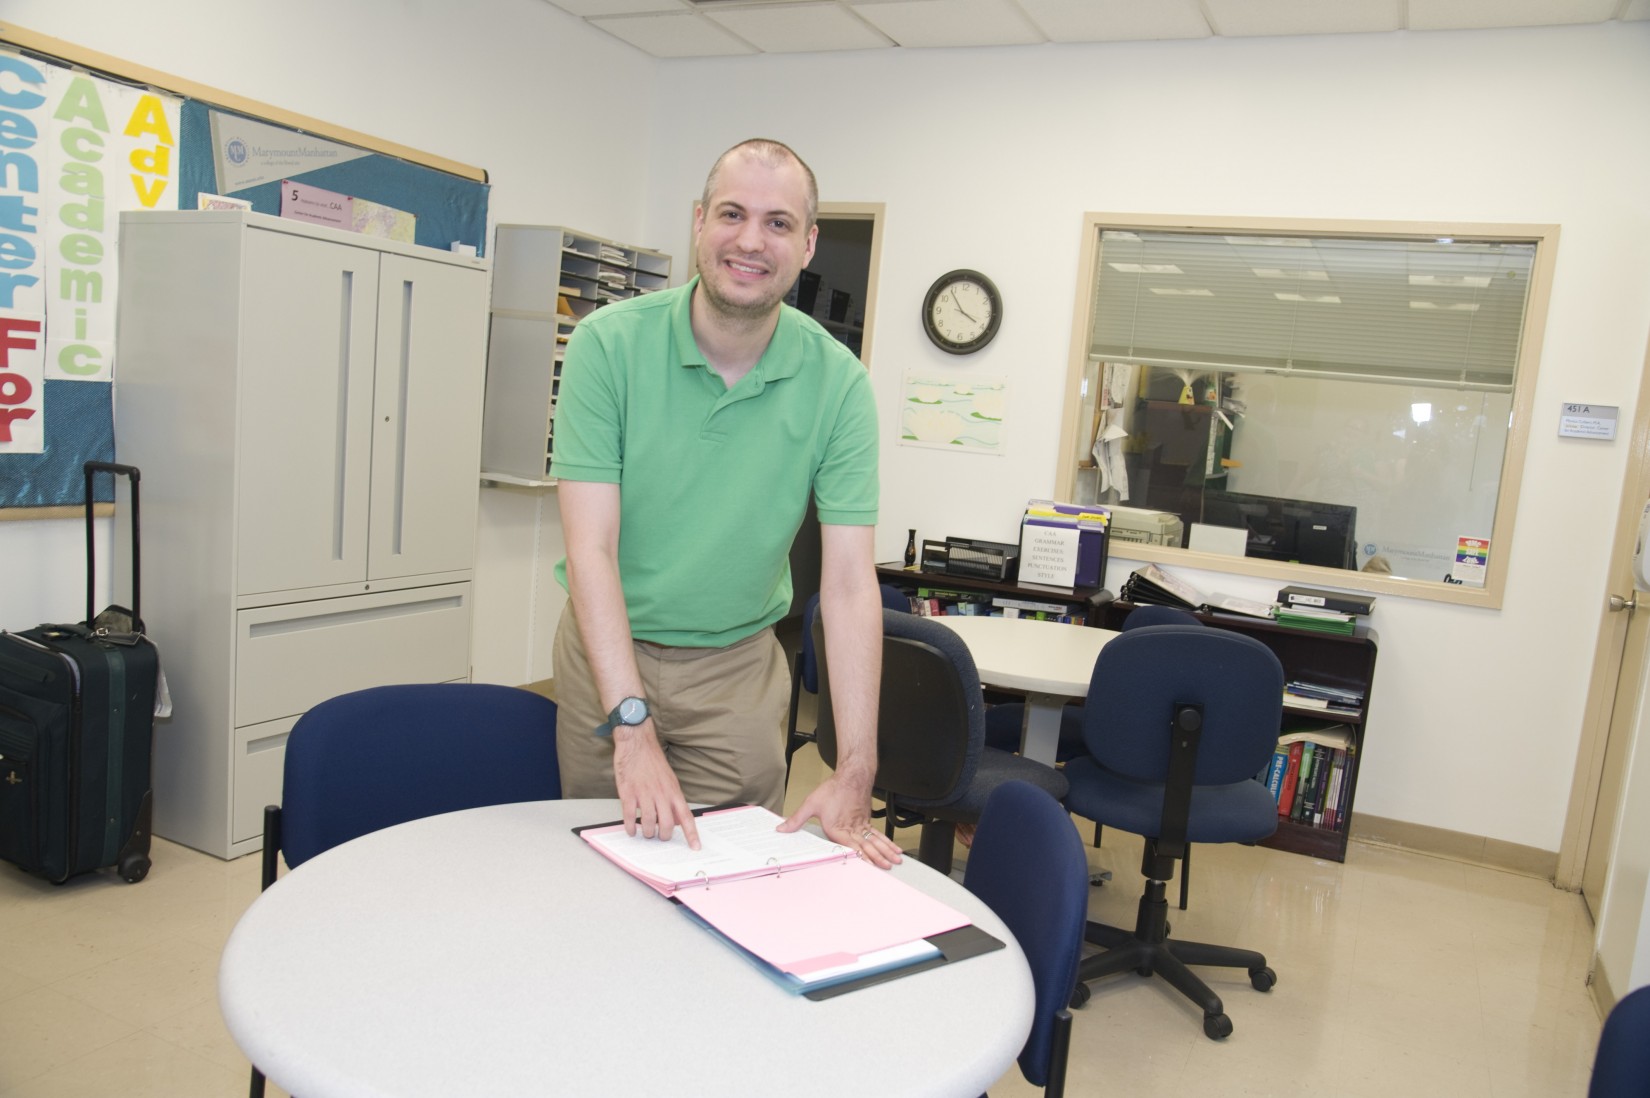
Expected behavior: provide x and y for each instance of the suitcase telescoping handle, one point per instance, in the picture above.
(92, 468)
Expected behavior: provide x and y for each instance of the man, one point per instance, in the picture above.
(691, 425)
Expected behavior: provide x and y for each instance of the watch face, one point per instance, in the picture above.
(962, 312)
(632, 711)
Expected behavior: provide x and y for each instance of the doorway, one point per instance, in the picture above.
(839, 290)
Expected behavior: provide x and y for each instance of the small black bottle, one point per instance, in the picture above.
(911, 549)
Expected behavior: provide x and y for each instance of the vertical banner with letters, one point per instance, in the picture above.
(75, 151)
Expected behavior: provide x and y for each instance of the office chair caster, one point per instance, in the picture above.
(1216, 1026)
(1262, 979)
(1079, 996)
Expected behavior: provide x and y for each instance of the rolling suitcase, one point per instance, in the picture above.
(77, 706)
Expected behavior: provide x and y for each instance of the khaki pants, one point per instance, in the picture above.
(719, 712)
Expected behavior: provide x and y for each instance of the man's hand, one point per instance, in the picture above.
(845, 814)
(650, 797)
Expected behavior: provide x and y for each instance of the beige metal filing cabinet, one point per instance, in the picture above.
(305, 406)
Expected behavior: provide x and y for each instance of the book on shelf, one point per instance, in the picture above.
(1332, 736)
(1291, 778)
(805, 911)
(1151, 585)
(1322, 621)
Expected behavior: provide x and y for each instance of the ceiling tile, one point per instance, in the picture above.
(1117, 20)
(951, 22)
(617, 7)
(1245, 18)
(1471, 14)
(798, 28)
(673, 35)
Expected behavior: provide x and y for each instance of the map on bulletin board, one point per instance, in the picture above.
(79, 147)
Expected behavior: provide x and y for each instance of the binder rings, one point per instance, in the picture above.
(806, 912)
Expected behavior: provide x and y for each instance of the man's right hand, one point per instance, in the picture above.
(650, 797)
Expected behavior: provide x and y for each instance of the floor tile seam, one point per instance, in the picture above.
(80, 1055)
(124, 955)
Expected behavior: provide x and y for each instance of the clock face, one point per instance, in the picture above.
(962, 312)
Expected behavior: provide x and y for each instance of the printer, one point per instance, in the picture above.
(1143, 527)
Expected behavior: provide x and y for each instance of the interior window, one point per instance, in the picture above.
(1306, 397)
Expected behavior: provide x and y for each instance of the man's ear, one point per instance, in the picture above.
(813, 239)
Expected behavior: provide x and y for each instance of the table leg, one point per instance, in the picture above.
(1040, 734)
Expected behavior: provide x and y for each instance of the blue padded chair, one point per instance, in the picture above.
(373, 758)
(1004, 722)
(805, 672)
(1027, 864)
(932, 761)
(1178, 722)
(1621, 1068)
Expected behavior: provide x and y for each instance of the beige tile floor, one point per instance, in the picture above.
(1398, 975)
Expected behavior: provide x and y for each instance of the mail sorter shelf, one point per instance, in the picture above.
(1082, 604)
(1329, 659)
(545, 280)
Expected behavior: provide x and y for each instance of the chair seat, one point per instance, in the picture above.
(1242, 812)
(995, 768)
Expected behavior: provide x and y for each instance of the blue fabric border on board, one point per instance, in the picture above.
(448, 207)
(57, 476)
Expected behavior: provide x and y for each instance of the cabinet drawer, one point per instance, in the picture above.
(287, 658)
(260, 760)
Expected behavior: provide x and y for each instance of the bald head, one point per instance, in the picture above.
(772, 154)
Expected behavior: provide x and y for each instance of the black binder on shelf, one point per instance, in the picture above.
(1317, 598)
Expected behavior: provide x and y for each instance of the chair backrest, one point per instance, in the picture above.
(930, 712)
(382, 756)
(1144, 617)
(892, 599)
(1142, 675)
(1027, 864)
(1622, 1065)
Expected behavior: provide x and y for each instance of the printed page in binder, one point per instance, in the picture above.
(735, 843)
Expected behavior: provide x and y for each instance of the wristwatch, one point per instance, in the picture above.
(630, 711)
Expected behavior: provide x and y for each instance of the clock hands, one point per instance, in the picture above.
(958, 303)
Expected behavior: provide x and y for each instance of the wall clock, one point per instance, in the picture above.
(962, 312)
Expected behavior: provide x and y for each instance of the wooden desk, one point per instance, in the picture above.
(1052, 662)
(491, 952)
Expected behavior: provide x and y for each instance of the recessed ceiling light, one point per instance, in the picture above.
(1270, 241)
(1168, 291)
(1453, 307)
(1279, 272)
(1146, 268)
(1320, 299)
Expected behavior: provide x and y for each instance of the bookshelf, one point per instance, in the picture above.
(1339, 660)
(545, 280)
(1080, 604)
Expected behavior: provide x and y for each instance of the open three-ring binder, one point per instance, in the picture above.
(805, 911)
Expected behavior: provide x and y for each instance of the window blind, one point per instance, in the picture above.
(1444, 313)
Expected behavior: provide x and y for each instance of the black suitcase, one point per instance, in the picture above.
(77, 706)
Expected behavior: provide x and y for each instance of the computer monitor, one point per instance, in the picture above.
(1300, 530)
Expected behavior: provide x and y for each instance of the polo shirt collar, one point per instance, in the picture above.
(780, 359)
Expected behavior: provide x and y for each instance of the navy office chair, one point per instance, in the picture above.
(932, 762)
(1004, 722)
(1178, 722)
(367, 760)
(1027, 864)
(1621, 1068)
(805, 672)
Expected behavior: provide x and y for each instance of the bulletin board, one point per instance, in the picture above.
(146, 139)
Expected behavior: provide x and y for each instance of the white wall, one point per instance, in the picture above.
(987, 159)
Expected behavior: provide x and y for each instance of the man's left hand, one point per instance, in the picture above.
(845, 815)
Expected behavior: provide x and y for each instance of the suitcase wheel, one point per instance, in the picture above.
(134, 867)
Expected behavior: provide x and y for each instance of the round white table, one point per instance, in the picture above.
(1051, 661)
(492, 952)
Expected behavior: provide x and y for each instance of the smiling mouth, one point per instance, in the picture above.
(745, 269)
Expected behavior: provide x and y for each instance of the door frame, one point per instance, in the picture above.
(1607, 653)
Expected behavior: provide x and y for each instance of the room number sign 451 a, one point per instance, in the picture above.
(962, 312)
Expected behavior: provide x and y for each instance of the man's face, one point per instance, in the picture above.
(753, 238)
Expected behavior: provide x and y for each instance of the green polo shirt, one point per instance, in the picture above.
(713, 481)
